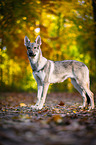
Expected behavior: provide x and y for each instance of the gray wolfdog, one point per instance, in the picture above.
(47, 71)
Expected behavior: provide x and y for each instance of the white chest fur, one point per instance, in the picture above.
(39, 75)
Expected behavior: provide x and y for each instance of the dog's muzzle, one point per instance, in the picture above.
(31, 54)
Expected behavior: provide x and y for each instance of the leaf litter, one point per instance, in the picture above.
(60, 122)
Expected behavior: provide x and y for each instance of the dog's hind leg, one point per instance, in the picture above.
(91, 96)
(81, 91)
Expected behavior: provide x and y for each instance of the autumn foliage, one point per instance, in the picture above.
(67, 30)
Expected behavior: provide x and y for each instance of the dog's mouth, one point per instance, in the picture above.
(31, 54)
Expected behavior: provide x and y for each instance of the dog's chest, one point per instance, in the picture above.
(39, 75)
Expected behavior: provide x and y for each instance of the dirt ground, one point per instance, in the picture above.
(60, 122)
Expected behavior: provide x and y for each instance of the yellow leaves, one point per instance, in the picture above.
(19, 31)
(74, 111)
(3, 54)
(73, 10)
(31, 28)
(87, 58)
(72, 35)
(86, 61)
(67, 25)
(81, 55)
(23, 105)
(37, 23)
(24, 18)
(38, 2)
(80, 27)
(1, 17)
(3, 110)
(18, 21)
(57, 119)
(51, 17)
(9, 67)
(14, 65)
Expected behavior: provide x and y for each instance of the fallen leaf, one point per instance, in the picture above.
(23, 105)
(61, 103)
(57, 119)
(74, 111)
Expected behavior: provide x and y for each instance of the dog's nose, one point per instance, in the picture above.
(31, 54)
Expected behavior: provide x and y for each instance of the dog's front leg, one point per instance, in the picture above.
(39, 94)
(43, 96)
(40, 89)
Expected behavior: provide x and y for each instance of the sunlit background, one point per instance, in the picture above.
(67, 30)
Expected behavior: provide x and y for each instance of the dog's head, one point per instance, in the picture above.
(33, 49)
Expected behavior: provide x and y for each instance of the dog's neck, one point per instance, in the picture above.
(38, 63)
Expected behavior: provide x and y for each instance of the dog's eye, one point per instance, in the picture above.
(28, 47)
(35, 47)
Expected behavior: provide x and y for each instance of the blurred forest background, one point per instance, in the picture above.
(67, 29)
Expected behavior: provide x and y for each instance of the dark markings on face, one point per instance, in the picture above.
(34, 45)
(28, 47)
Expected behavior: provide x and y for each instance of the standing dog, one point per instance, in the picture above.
(47, 71)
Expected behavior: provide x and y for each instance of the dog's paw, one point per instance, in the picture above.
(90, 108)
(82, 107)
(34, 106)
(39, 107)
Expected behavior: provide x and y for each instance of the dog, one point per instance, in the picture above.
(47, 71)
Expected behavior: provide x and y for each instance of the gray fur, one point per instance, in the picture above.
(47, 71)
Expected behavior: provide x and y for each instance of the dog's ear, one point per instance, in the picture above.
(26, 41)
(38, 40)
